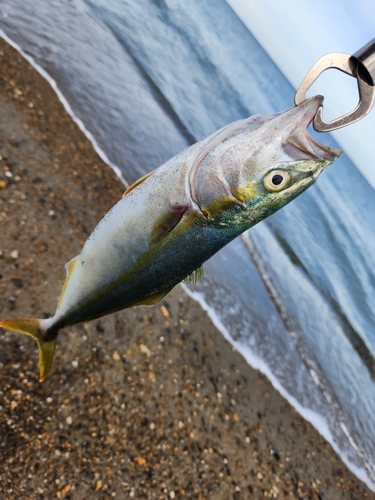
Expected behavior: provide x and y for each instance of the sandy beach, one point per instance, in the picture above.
(146, 403)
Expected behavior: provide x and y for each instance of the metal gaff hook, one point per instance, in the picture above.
(362, 67)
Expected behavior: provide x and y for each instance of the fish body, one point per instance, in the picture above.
(171, 221)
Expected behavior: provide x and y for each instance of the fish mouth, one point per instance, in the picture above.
(298, 144)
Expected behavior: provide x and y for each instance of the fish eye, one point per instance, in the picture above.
(276, 180)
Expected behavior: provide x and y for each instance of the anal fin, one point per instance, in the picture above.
(194, 277)
(154, 299)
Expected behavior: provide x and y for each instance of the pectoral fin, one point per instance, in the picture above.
(167, 222)
(194, 277)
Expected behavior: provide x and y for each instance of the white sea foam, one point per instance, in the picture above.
(317, 420)
(66, 105)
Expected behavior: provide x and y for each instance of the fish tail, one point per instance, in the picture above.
(42, 331)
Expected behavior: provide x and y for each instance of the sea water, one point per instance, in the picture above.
(295, 295)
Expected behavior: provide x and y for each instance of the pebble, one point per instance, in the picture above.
(197, 352)
(164, 311)
(116, 356)
(75, 363)
(14, 254)
(143, 348)
(65, 490)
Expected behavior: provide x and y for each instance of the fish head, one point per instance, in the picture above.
(254, 167)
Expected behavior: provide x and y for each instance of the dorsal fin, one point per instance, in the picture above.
(194, 277)
(169, 220)
(138, 182)
(69, 266)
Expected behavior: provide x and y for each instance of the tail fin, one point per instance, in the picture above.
(46, 340)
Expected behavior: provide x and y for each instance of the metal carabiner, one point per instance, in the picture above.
(361, 66)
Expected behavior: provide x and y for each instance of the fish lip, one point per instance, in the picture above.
(299, 144)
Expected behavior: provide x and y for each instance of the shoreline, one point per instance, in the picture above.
(145, 403)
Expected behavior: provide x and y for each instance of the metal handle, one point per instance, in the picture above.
(361, 66)
(366, 62)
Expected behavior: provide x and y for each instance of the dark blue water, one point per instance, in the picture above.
(296, 294)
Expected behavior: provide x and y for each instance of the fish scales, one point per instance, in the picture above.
(172, 220)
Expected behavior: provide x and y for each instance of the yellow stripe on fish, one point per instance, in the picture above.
(169, 222)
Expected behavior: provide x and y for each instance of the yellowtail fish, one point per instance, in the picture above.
(172, 220)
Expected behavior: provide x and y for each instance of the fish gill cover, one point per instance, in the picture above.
(296, 294)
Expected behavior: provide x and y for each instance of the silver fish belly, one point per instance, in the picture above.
(171, 221)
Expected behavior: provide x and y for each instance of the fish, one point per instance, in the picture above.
(172, 220)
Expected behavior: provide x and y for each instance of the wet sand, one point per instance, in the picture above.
(145, 403)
